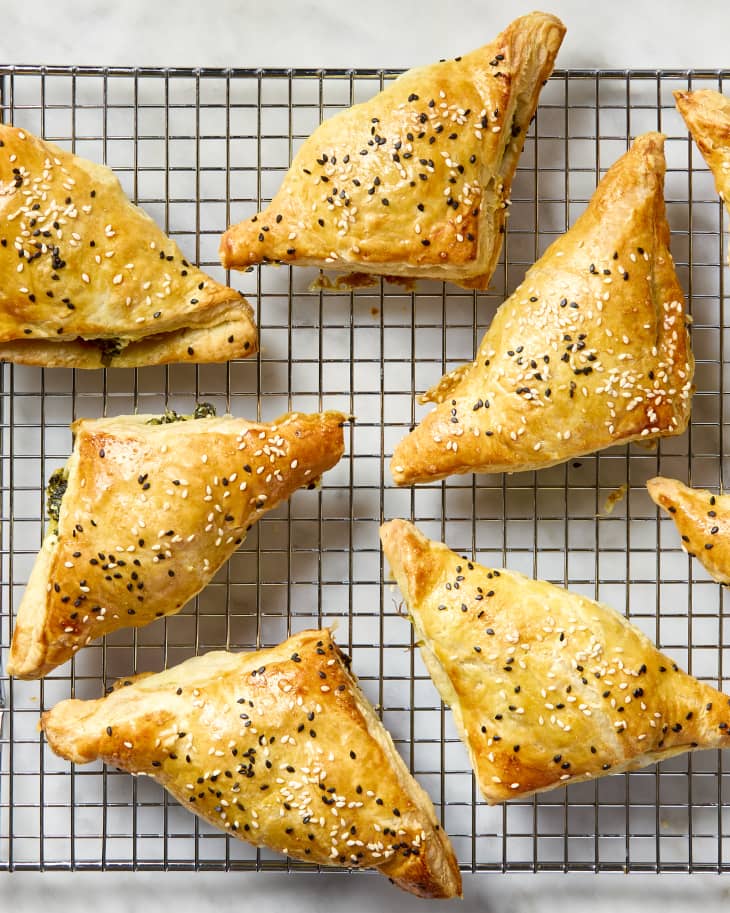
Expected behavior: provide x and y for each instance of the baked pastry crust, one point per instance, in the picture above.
(707, 116)
(88, 280)
(547, 687)
(149, 514)
(702, 520)
(591, 350)
(416, 181)
(278, 747)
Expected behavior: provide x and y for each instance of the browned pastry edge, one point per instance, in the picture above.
(234, 338)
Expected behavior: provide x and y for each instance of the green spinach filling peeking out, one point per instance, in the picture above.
(109, 349)
(55, 491)
(202, 410)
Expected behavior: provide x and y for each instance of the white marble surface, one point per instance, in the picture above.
(106, 892)
(631, 33)
(389, 33)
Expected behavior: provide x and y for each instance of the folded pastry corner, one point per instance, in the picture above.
(707, 116)
(266, 728)
(88, 280)
(547, 687)
(702, 520)
(146, 511)
(414, 183)
(591, 350)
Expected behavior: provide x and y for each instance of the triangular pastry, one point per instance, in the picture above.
(547, 687)
(146, 511)
(702, 520)
(278, 747)
(88, 280)
(707, 116)
(591, 350)
(415, 182)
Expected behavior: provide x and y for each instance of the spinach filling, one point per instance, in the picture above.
(55, 491)
(201, 410)
(109, 349)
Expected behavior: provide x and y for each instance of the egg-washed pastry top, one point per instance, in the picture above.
(591, 350)
(414, 183)
(88, 280)
(145, 512)
(278, 747)
(546, 686)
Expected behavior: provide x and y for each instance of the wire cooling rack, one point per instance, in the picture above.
(201, 149)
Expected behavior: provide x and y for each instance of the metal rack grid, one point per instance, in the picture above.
(200, 149)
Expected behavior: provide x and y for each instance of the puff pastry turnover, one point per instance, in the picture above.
(88, 280)
(707, 115)
(144, 514)
(278, 747)
(702, 520)
(416, 181)
(547, 687)
(591, 350)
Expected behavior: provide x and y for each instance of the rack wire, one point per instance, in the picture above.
(201, 149)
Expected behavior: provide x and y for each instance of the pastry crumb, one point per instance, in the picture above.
(342, 283)
(405, 282)
(614, 497)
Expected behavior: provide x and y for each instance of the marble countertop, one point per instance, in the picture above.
(640, 33)
(340, 33)
(109, 892)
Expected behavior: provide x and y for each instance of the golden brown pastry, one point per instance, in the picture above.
(591, 350)
(702, 520)
(547, 687)
(416, 181)
(146, 511)
(707, 115)
(278, 747)
(87, 280)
